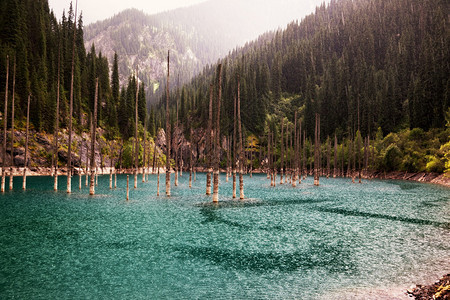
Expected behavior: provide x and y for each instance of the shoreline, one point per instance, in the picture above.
(433, 178)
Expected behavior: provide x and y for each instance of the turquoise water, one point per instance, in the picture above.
(339, 240)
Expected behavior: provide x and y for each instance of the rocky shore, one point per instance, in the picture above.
(440, 290)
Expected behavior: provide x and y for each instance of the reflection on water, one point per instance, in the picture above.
(335, 241)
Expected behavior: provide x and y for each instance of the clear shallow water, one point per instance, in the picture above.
(339, 240)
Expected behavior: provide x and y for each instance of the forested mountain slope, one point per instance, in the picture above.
(196, 36)
(360, 64)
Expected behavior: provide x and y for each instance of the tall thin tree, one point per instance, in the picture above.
(93, 138)
(5, 124)
(316, 150)
(136, 137)
(209, 141)
(234, 148)
(335, 157)
(217, 140)
(55, 137)
(294, 179)
(241, 150)
(69, 160)
(24, 185)
(11, 172)
(168, 128)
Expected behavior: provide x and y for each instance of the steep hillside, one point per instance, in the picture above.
(196, 35)
(360, 64)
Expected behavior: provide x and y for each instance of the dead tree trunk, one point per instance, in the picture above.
(217, 139)
(190, 159)
(241, 151)
(5, 124)
(282, 151)
(87, 157)
(316, 151)
(69, 160)
(11, 173)
(300, 152)
(294, 179)
(136, 138)
(144, 156)
(335, 157)
(209, 142)
(234, 148)
(24, 186)
(93, 137)
(154, 157)
(328, 157)
(168, 129)
(55, 149)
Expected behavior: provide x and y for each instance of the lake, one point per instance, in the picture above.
(336, 241)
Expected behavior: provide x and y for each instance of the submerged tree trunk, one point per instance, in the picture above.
(5, 124)
(316, 151)
(209, 142)
(217, 140)
(69, 161)
(24, 186)
(282, 152)
(143, 160)
(241, 151)
(294, 179)
(167, 129)
(234, 149)
(93, 137)
(55, 149)
(335, 157)
(11, 173)
(300, 152)
(136, 137)
(190, 160)
(328, 157)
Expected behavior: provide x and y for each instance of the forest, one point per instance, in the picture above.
(372, 70)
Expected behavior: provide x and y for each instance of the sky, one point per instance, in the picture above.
(96, 10)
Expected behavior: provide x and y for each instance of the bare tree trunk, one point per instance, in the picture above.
(55, 149)
(234, 149)
(157, 185)
(5, 124)
(24, 186)
(80, 174)
(136, 138)
(168, 129)
(154, 157)
(87, 158)
(144, 156)
(93, 137)
(316, 151)
(110, 164)
(294, 179)
(287, 153)
(304, 155)
(300, 152)
(241, 151)
(274, 168)
(190, 161)
(209, 142)
(335, 157)
(115, 170)
(282, 151)
(128, 187)
(328, 157)
(11, 173)
(217, 139)
(69, 161)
